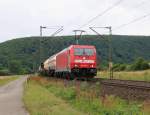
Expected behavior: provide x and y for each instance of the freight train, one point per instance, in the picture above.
(75, 61)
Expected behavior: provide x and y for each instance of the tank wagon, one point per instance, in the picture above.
(74, 61)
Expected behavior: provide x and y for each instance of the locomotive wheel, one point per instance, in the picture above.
(71, 76)
(68, 76)
(64, 75)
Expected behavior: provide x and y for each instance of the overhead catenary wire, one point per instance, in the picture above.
(101, 14)
(117, 3)
(58, 31)
(132, 21)
(136, 19)
(141, 3)
(111, 7)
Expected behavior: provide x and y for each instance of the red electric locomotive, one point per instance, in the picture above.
(74, 61)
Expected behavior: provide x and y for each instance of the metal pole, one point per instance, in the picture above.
(110, 64)
(38, 51)
(40, 43)
(110, 53)
(40, 30)
(77, 41)
(77, 37)
(41, 34)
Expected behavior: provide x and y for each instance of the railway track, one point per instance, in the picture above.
(126, 89)
(127, 83)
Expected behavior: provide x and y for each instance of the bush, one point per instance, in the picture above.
(139, 64)
(4, 72)
(119, 67)
(16, 68)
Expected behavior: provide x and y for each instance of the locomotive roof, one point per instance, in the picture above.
(82, 46)
(74, 46)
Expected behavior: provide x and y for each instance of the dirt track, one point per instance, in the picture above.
(11, 98)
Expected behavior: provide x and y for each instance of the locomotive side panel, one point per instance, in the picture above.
(62, 61)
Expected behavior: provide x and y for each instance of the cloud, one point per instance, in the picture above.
(21, 18)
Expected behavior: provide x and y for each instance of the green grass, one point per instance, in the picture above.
(5, 80)
(94, 106)
(39, 101)
(41, 95)
(136, 75)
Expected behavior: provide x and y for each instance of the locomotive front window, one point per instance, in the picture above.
(78, 51)
(83, 51)
(89, 52)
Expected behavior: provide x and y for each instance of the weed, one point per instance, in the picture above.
(85, 98)
(6, 80)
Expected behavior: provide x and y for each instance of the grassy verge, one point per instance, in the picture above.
(5, 80)
(82, 97)
(39, 101)
(136, 75)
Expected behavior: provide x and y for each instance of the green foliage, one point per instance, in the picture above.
(26, 50)
(15, 66)
(39, 101)
(67, 94)
(119, 67)
(140, 64)
(6, 80)
(92, 106)
(4, 72)
(127, 75)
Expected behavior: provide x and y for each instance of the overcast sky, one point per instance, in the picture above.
(22, 18)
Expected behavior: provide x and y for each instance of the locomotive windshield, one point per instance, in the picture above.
(83, 51)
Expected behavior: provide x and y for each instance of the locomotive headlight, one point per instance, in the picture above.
(77, 61)
(76, 65)
(92, 65)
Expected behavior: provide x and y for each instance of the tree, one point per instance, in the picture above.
(4, 72)
(119, 67)
(140, 64)
(15, 67)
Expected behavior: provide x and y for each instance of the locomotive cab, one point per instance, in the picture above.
(84, 61)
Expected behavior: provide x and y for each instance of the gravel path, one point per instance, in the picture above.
(11, 98)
